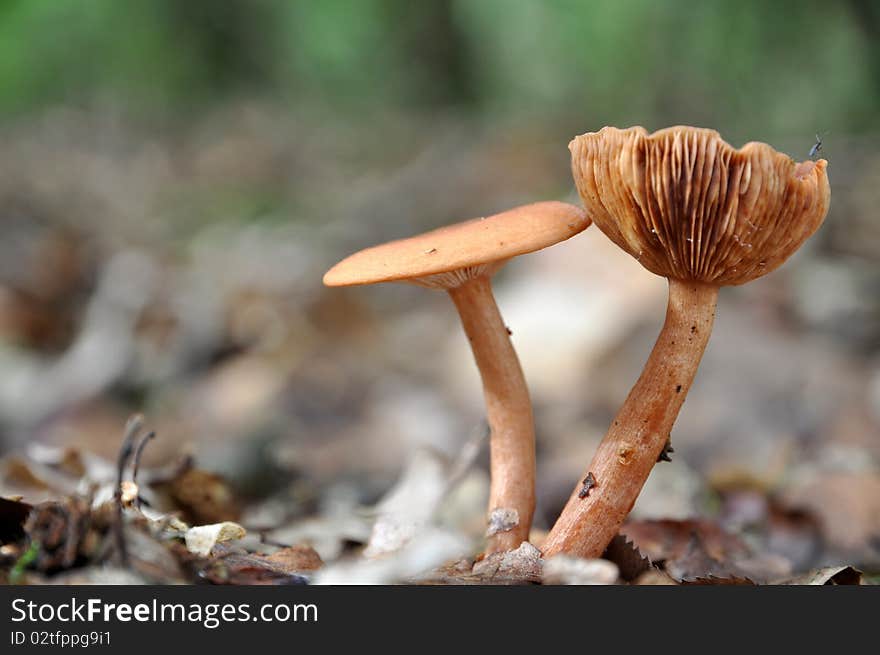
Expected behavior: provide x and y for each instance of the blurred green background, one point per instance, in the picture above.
(751, 69)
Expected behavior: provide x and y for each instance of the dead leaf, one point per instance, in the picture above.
(513, 566)
(204, 497)
(695, 562)
(429, 549)
(66, 460)
(247, 569)
(848, 506)
(151, 559)
(830, 575)
(690, 549)
(62, 529)
(24, 474)
(502, 519)
(666, 539)
(13, 514)
(166, 525)
(94, 575)
(719, 580)
(654, 577)
(328, 534)
(414, 500)
(409, 505)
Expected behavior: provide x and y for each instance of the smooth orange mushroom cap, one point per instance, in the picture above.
(689, 206)
(449, 256)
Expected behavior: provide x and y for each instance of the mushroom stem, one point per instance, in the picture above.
(639, 432)
(509, 412)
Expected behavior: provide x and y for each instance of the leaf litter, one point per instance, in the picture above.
(175, 526)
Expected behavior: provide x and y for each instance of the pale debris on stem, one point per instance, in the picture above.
(502, 519)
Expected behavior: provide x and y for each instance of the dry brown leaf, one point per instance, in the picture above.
(719, 580)
(414, 562)
(200, 539)
(655, 577)
(629, 560)
(667, 539)
(246, 569)
(830, 575)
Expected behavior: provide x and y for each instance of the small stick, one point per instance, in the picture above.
(137, 454)
(132, 428)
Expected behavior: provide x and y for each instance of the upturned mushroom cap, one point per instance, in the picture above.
(449, 256)
(689, 206)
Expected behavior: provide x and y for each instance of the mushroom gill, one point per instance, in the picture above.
(689, 206)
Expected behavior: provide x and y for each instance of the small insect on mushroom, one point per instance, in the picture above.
(589, 482)
(816, 147)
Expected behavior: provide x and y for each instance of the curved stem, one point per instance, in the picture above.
(509, 412)
(641, 428)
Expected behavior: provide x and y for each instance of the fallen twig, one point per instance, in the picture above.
(137, 460)
(132, 428)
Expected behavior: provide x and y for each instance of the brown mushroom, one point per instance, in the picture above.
(461, 259)
(691, 208)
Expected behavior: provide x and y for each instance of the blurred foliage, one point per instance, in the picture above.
(749, 68)
(177, 175)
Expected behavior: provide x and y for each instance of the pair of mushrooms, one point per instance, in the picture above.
(684, 203)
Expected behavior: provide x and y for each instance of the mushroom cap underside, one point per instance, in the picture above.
(466, 245)
(688, 205)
